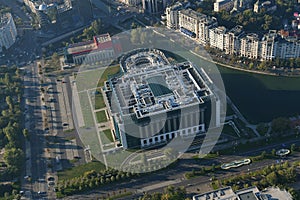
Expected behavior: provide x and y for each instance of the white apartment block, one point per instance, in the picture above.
(172, 15)
(232, 40)
(217, 37)
(268, 46)
(250, 46)
(189, 22)
(205, 24)
(8, 31)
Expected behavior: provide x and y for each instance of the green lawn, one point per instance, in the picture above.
(108, 135)
(80, 170)
(86, 109)
(101, 116)
(99, 101)
(108, 72)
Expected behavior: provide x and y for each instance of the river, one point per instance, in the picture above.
(262, 98)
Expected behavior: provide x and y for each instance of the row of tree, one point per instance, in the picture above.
(275, 175)
(170, 193)
(11, 133)
(90, 180)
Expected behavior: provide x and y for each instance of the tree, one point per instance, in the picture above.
(96, 26)
(280, 125)
(272, 178)
(9, 102)
(26, 133)
(273, 152)
(293, 148)
(14, 157)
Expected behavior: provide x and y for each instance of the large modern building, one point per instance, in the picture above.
(154, 101)
(101, 48)
(8, 31)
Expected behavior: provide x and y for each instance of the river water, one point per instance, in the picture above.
(262, 98)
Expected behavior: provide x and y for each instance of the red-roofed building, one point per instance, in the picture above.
(101, 48)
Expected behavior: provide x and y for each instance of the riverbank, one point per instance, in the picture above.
(242, 69)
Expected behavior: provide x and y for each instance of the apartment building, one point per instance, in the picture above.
(269, 46)
(205, 24)
(217, 37)
(250, 46)
(232, 40)
(288, 48)
(189, 22)
(172, 15)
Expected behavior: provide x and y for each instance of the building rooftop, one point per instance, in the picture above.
(219, 29)
(251, 193)
(151, 85)
(176, 6)
(100, 42)
(224, 193)
(237, 30)
(191, 13)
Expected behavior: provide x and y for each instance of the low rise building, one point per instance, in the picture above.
(267, 5)
(226, 5)
(8, 31)
(101, 48)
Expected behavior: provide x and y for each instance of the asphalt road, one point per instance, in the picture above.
(155, 182)
(37, 139)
